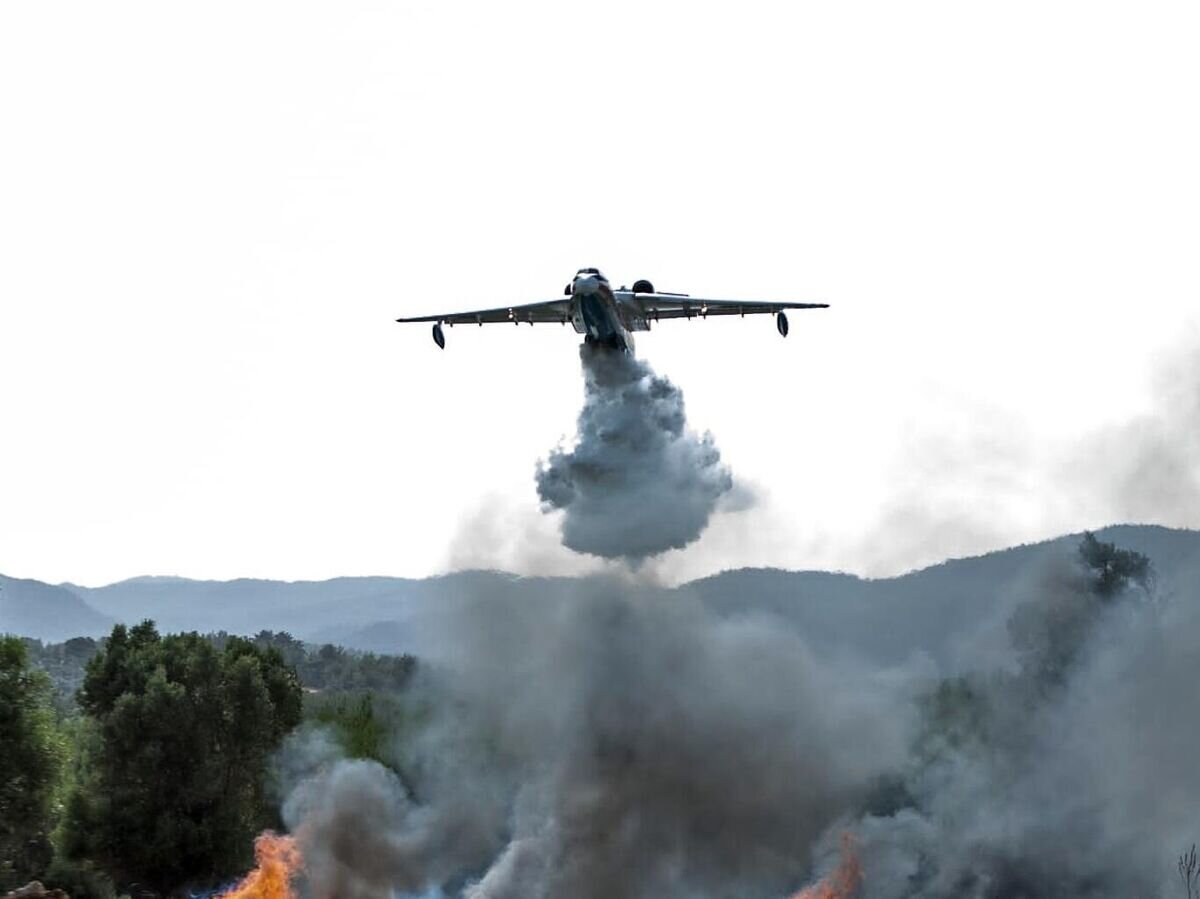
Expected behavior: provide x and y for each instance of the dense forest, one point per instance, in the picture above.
(141, 763)
(325, 667)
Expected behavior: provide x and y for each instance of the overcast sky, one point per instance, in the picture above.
(210, 215)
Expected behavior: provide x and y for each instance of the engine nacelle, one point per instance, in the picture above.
(781, 323)
(439, 336)
(643, 286)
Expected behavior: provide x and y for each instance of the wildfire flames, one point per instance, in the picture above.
(278, 859)
(843, 882)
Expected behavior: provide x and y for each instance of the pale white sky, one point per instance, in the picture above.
(210, 214)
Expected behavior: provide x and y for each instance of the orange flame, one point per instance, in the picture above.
(278, 859)
(843, 881)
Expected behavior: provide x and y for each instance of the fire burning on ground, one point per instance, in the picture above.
(279, 860)
(841, 883)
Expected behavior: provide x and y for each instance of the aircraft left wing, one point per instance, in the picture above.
(656, 306)
(549, 311)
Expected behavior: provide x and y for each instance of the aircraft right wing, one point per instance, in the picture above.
(657, 306)
(549, 311)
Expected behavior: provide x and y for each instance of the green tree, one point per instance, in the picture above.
(30, 761)
(1110, 570)
(954, 716)
(175, 761)
(1050, 631)
(366, 725)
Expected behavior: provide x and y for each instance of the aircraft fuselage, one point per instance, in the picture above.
(598, 314)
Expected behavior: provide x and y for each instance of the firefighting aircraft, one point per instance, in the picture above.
(608, 317)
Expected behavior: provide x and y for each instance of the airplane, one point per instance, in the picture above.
(608, 317)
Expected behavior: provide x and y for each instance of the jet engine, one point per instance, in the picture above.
(781, 323)
(643, 286)
(439, 336)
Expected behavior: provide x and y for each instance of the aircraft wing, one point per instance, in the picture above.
(679, 305)
(550, 311)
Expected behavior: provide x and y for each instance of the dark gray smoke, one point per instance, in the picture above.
(637, 483)
(1070, 775)
(606, 744)
(609, 741)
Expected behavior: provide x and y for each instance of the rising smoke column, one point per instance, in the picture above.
(1069, 774)
(605, 745)
(637, 483)
(597, 741)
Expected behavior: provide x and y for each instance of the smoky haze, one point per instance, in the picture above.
(604, 745)
(637, 482)
(1069, 774)
(613, 741)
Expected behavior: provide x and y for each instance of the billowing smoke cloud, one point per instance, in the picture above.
(1072, 775)
(603, 744)
(637, 483)
(612, 741)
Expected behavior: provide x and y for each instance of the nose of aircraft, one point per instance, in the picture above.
(586, 284)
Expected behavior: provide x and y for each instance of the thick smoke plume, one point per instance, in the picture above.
(637, 483)
(610, 742)
(601, 745)
(1070, 774)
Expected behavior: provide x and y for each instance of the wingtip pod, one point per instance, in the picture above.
(439, 336)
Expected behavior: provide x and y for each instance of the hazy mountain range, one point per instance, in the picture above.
(955, 612)
(34, 609)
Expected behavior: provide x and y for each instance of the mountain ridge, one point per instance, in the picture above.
(48, 612)
(950, 612)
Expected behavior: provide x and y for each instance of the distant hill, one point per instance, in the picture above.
(33, 609)
(954, 613)
(246, 606)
